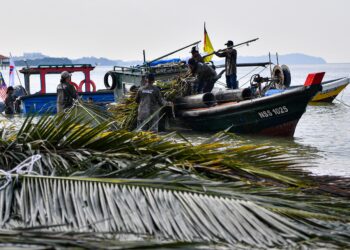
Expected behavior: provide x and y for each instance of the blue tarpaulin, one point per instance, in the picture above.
(173, 60)
(273, 92)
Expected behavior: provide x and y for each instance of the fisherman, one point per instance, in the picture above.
(196, 56)
(206, 76)
(150, 100)
(10, 101)
(230, 64)
(66, 93)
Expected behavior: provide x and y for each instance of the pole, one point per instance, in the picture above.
(247, 42)
(19, 79)
(270, 63)
(144, 56)
(173, 52)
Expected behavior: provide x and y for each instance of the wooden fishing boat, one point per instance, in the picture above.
(331, 89)
(276, 115)
(43, 102)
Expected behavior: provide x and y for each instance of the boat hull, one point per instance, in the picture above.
(331, 90)
(46, 103)
(275, 115)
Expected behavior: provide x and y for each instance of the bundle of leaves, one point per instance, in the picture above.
(125, 111)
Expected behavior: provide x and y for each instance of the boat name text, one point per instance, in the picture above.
(276, 111)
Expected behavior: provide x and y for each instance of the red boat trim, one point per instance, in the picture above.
(286, 129)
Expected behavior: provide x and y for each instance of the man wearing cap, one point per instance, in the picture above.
(150, 100)
(230, 64)
(66, 92)
(196, 56)
(206, 76)
(10, 101)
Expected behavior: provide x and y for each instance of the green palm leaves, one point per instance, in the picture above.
(220, 191)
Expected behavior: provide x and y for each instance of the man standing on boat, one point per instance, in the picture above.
(10, 101)
(66, 93)
(150, 100)
(196, 56)
(206, 76)
(230, 64)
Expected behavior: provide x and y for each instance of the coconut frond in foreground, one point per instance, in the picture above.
(160, 212)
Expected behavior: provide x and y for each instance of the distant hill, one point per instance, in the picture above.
(43, 61)
(104, 61)
(296, 58)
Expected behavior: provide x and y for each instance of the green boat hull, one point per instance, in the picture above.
(276, 115)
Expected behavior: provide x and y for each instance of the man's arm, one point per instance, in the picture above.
(161, 101)
(138, 96)
(72, 91)
(220, 54)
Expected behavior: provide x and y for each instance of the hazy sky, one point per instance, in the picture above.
(121, 29)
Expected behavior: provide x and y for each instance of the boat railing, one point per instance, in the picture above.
(65, 66)
(158, 69)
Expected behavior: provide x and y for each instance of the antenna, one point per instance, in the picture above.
(144, 56)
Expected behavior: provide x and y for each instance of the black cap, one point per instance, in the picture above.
(8, 89)
(150, 76)
(194, 49)
(229, 43)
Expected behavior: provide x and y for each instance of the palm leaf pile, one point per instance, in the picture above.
(98, 186)
(125, 111)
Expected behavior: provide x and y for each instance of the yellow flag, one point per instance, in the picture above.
(208, 47)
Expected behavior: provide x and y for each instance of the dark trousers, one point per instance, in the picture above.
(231, 81)
(207, 86)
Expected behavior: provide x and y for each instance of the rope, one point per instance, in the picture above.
(25, 167)
(342, 102)
(251, 72)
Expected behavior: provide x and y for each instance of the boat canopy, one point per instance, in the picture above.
(42, 70)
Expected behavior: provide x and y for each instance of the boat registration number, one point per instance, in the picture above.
(272, 112)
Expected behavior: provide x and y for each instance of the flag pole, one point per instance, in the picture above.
(19, 79)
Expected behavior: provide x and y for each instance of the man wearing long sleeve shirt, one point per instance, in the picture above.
(230, 55)
(150, 100)
(206, 76)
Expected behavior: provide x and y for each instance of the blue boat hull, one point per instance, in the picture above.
(46, 103)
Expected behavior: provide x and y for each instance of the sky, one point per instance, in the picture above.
(121, 29)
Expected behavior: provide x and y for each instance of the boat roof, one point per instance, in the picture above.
(56, 68)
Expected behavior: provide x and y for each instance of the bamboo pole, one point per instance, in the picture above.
(222, 50)
(173, 52)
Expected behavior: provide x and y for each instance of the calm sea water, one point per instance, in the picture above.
(322, 136)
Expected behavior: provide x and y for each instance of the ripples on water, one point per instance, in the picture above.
(322, 136)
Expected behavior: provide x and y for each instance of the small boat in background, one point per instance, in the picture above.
(331, 89)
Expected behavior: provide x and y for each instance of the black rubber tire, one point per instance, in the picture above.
(114, 80)
(287, 76)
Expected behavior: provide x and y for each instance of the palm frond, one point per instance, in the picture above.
(137, 207)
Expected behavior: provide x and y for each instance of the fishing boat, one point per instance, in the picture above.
(43, 102)
(276, 114)
(164, 70)
(331, 89)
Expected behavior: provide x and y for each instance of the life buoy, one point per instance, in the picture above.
(114, 80)
(75, 85)
(91, 82)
